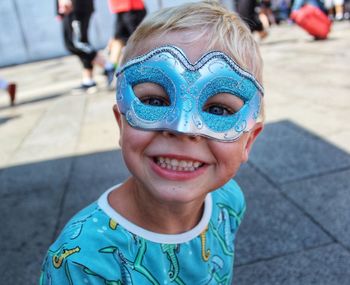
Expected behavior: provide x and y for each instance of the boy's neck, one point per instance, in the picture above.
(153, 216)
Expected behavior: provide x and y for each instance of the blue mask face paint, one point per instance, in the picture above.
(188, 87)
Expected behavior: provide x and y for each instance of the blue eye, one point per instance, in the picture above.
(155, 101)
(218, 110)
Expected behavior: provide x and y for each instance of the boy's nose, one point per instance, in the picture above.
(183, 136)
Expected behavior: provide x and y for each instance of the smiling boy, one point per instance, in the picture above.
(189, 108)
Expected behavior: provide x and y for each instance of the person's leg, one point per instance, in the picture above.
(86, 53)
(116, 50)
(328, 5)
(126, 24)
(119, 39)
(108, 67)
(10, 87)
(75, 36)
(75, 27)
(11, 90)
(339, 9)
(297, 4)
(264, 19)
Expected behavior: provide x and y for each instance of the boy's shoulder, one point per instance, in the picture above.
(231, 192)
(73, 247)
(230, 196)
(83, 228)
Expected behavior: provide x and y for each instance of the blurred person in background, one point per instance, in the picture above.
(281, 10)
(335, 9)
(247, 9)
(297, 4)
(76, 15)
(128, 15)
(10, 88)
(266, 15)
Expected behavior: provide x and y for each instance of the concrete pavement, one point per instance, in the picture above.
(58, 152)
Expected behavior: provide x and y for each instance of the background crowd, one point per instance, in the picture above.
(261, 14)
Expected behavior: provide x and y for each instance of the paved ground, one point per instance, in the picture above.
(58, 153)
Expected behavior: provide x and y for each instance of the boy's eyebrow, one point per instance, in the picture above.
(181, 56)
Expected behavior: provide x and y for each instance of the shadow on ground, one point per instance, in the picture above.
(296, 229)
(5, 119)
(36, 100)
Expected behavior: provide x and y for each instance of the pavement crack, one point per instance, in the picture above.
(263, 259)
(321, 174)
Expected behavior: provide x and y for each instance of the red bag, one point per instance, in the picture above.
(313, 20)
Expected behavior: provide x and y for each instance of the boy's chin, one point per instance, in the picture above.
(175, 193)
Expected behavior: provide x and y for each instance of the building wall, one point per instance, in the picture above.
(30, 30)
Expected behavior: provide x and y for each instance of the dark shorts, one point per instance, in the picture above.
(266, 4)
(127, 22)
(254, 23)
(246, 10)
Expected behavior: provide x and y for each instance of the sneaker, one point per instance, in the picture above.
(86, 88)
(109, 73)
(11, 89)
(339, 17)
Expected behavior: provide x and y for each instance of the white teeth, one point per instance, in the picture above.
(177, 165)
(174, 162)
(196, 164)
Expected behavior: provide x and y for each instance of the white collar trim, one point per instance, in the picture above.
(152, 236)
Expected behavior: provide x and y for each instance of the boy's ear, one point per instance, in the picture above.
(118, 118)
(117, 115)
(253, 134)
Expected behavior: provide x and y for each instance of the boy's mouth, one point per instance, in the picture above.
(178, 164)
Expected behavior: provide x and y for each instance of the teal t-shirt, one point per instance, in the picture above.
(99, 246)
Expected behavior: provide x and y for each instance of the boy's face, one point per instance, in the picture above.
(177, 167)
